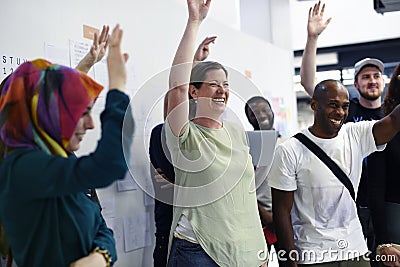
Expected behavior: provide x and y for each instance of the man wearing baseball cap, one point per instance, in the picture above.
(369, 83)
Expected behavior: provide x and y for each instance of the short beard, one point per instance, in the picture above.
(369, 97)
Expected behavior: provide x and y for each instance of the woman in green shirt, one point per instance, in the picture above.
(215, 219)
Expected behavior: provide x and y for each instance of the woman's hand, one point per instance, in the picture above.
(198, 10)
(203, 50)
(116, 61)
(92, 260)
(97, 51)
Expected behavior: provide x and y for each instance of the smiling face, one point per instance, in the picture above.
(84, 123)
(331, 107)
(212, 97)
(260, 114)
(370, 83)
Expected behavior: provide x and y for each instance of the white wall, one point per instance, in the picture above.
(152, 30)
(353, 21)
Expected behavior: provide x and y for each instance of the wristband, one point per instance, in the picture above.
(105, 254)
(384, 246)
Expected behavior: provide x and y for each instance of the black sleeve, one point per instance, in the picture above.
(376, 180)
(158, 153)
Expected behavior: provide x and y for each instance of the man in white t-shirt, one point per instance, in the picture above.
(314, 214)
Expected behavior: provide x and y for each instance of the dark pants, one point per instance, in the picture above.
(160, 253)
(184, 254)
(364, 214)
(356, 262)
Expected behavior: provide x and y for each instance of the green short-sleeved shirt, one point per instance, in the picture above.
(216, 192)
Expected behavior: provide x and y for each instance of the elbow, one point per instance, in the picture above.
(309, 89)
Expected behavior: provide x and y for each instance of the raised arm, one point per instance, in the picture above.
(116, 61)
(315, 27)
(202, 53)
(385, 129)
(178, 104)
(96, 52)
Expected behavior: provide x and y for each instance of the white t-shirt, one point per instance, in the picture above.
(324, 216)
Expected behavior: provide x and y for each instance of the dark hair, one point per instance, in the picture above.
(198, 74)
(392, 97)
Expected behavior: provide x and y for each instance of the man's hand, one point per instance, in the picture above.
(390, 256)
(316, 24)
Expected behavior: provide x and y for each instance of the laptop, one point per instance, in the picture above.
(262, 146)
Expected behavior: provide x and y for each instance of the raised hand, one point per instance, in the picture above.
(204, 48)
(116, 60)
(198, 10)
(97, 51)
(316, 24)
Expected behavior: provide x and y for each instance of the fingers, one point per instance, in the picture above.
(126, 57)
(208, 3)
(322, 10)
(327, 21)
(116, 37)
(95, 40)
(166, 186)
(160, 178)
(104, 34)
(116, 61)
(315, 10)
(209, 40)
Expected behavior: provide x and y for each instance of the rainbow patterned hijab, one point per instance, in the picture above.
(40, 105)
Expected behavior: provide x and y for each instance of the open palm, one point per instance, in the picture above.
(316, 24)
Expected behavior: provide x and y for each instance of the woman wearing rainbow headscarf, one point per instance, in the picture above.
(45, 110)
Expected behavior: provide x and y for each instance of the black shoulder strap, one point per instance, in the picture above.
(328, 161)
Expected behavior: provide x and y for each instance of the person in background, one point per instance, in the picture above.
(46, 111)
(163, 173)
(369, 83)
(313, 211)
(384, 183)
(260, 115)
(215, 220)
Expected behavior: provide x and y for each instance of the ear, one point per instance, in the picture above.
(313, 104)
(356, 85)
(193, 91)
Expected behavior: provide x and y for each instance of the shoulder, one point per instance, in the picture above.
(156, 131)
(358, 129)
(233, 126)
(289, 147)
